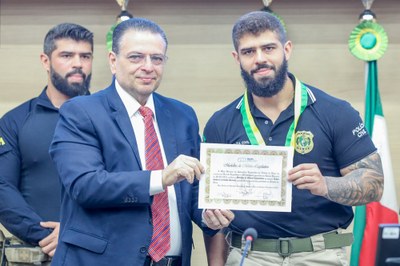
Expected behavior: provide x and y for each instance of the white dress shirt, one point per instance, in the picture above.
(132, 107)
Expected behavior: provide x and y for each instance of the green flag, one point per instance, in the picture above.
(368, 218)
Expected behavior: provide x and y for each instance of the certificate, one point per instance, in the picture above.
(245, 177)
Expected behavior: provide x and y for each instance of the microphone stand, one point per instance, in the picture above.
(250, 234)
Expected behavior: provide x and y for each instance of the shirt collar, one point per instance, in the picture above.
(43, 100)
(257, 113)
(131, 104)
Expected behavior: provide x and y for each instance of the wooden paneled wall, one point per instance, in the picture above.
(200, 70)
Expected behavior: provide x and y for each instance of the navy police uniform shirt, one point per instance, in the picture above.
(25, 136)
(334, 137)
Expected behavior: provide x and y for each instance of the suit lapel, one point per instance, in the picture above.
(120, 116)
(165, 122)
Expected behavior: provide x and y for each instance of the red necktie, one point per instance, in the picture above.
(160, 242)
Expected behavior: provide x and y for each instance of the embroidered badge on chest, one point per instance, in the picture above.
(243, 142)
(304, 142)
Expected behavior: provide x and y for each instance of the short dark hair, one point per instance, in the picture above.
(255, 23)
(137, 24)
(66, 31)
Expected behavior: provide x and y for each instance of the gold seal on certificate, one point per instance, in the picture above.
(245, 177)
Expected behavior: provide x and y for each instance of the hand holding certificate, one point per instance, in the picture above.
(245, 177)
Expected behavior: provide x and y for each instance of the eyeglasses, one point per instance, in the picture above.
(155, 59)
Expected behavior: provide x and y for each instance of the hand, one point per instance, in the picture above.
(308, 176)
(49, 243)
(183, 167)
(218, 219)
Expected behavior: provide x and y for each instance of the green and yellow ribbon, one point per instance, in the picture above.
(252, 131)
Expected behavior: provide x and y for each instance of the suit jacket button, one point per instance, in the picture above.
(143, 250)
(150, 221)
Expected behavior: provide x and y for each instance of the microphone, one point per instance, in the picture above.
(249, 235)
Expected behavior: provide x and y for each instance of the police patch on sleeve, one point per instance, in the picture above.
(4, 146)
(359, 130)
(304, 142)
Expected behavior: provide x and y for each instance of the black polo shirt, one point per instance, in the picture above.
(334, 138)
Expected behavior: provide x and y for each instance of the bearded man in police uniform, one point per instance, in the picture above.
(336, 165)
(29, 184)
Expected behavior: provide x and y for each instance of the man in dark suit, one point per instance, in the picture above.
(111, 180)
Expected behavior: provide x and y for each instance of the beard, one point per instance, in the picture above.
(266, 87)
(70, 89)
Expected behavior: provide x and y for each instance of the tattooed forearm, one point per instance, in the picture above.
(361, 183)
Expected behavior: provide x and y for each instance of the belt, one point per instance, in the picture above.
(286, 246)
(166, 261)
(15, 251)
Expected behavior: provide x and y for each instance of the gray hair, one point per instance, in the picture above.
(137, 24)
